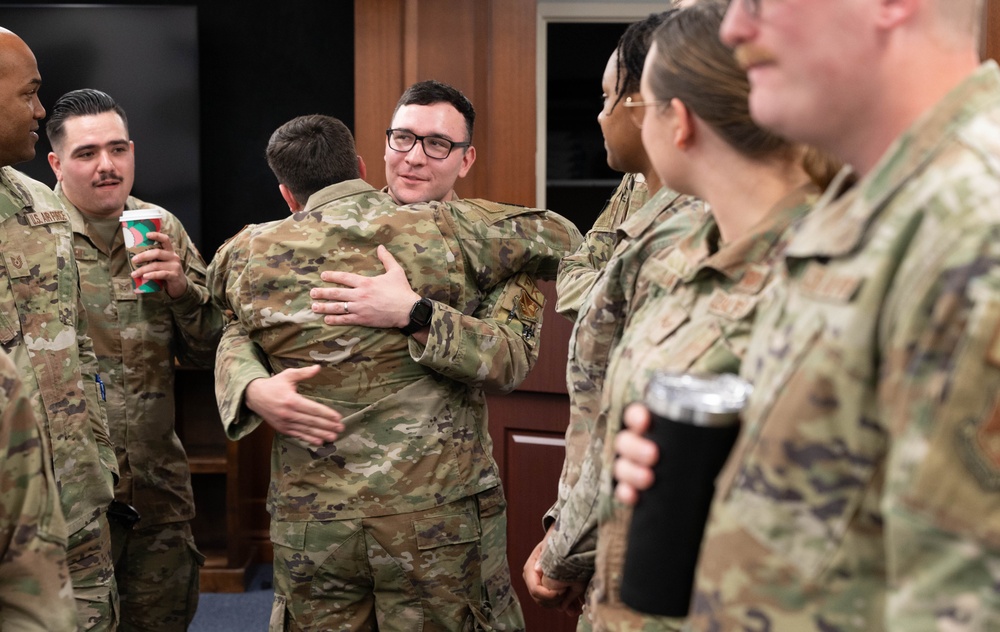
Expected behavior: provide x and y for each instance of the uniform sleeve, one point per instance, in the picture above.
(238, 360)
(579, 271)
(35, 592)
(940, 390)
(569, 554)
(572, 545)
(505, 248)
(495, 347)
(197, 318)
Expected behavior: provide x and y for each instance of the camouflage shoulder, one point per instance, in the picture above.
(240, 235)
(490, 212)
(33, 192)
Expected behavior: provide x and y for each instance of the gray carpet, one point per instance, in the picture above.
(237, 612)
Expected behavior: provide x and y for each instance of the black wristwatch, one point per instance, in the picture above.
(420, 316)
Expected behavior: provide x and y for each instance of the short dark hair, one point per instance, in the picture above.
(632, 48)
(312, 152)
(84, 102)
(430, 92)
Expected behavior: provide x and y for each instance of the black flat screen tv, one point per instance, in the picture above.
(146, 57)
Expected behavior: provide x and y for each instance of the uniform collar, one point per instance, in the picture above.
(842, 216)
(640, 220)
(336, 192)
(700, 249)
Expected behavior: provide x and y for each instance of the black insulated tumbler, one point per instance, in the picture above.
(695, 421)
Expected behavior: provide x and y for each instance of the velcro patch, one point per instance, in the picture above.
(731, 306)
(754, 278)
(38, 218)
(822, 283)
(531, 301)
(16, 263)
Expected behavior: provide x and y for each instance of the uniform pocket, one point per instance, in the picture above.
(279, 615)
(289, 534)
(439, 531)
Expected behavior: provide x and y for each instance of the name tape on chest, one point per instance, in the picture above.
(828, 285)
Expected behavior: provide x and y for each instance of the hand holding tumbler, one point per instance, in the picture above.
(695, 422)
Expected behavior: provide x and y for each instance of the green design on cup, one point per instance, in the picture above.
(135, 226)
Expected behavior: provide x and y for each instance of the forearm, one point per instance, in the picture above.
(572, 542)
(495, 347)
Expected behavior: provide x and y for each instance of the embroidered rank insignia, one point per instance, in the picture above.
(753, 279)
(731, 306)
(17, 266)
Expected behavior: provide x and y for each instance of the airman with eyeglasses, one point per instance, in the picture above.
(436, 147)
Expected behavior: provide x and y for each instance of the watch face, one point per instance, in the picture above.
(421, 312)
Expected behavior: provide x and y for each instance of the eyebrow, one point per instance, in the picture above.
(114, 143)
(431, 135)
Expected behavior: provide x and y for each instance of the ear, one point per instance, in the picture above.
(56, 165)
(468, 158)
(891, 13)
(293, 204)
(683, 124)
(362, 169)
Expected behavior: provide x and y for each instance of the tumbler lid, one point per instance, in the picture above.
(701, 400)
(135, 215)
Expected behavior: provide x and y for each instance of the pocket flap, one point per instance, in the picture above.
(444, 530)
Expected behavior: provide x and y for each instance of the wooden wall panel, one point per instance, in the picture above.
(991, 30)
(485, 49)
(511, 102)
(378, 77)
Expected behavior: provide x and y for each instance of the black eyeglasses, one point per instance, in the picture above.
(630, 103)
(436, 147)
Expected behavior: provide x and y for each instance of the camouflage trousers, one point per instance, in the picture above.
(440, 569)
(88, 555)
(157, 574)
(604, 611)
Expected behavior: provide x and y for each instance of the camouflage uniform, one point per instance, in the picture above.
(43, 327)
(569, 551)
(578, 271)
(691, 310)
(864, 490)
(35, 590)
(409, 491)
(136, 338)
